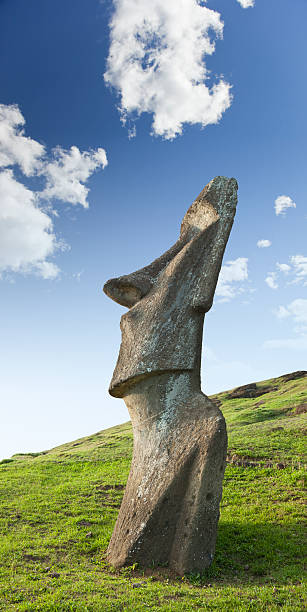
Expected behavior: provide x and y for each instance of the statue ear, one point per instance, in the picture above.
(197, 266)
(210, 262)
(198, 217)
(210, 219)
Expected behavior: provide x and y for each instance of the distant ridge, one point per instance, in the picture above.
(257, 389)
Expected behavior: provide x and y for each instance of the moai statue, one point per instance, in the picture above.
(170, 509)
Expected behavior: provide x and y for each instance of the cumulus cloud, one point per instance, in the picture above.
(282, 203)
(246, 3)
(281, 312)
(271, 280)
(296, 272)
(299, 263)
(156, 63)
(263, 244)
(15, 147)
(297, 311)
(282, 267)
(26, 232)
(235, 271)
(27, 237)
(67, 173)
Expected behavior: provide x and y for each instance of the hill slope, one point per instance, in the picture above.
(58, 507)
(266, 423)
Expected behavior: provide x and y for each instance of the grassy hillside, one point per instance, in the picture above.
(58, 508)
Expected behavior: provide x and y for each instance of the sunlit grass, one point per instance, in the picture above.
(57, 512)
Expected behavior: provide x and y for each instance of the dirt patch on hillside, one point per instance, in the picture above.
(301, 409)
(255, 390)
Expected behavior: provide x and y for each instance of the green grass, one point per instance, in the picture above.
(58, 508)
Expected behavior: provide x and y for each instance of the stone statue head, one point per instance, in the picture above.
(168, 298)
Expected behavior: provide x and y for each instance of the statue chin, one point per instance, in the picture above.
(170, 509)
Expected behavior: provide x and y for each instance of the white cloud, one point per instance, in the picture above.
(299, 263)
(285, 268)
(247, 3)
(27, 235)
(263, 244)
(47, 269)
(26, 232)
(281, 312)
(271, 280)
(297, 271)
(282, 203)
(297, 311)
(15, 147)
(156, 63)
(235, 271)
(68, 171)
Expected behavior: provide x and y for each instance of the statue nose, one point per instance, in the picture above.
(124, 291)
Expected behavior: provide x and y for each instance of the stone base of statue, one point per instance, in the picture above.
(170, 509)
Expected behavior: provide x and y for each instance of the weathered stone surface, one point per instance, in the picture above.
(170, 509)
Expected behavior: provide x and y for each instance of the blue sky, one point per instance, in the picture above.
(59, 333)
